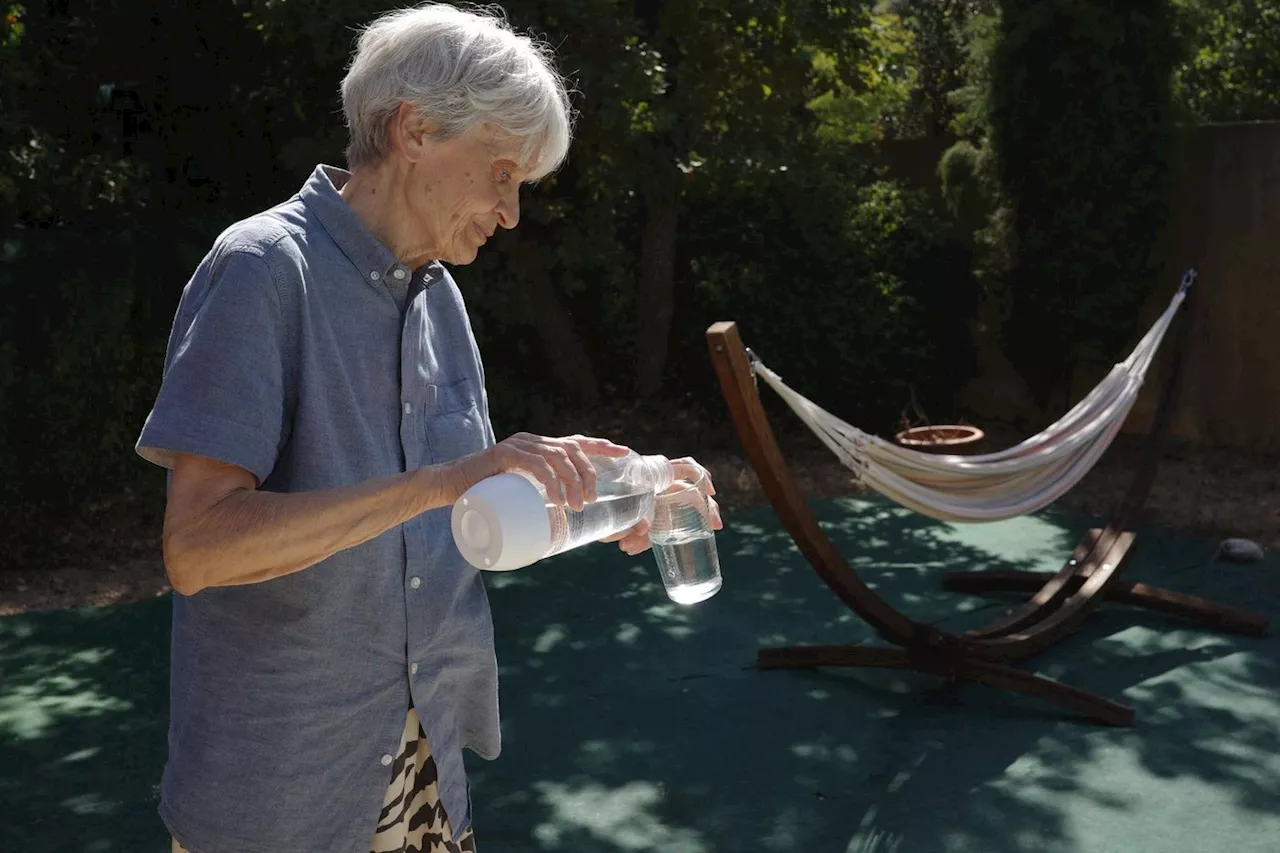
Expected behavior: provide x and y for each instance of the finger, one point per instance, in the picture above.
(688, 469)
(601, 446)
(538, 467)
(586, 472)
(716, 522)
(633, 545)
(558, 458)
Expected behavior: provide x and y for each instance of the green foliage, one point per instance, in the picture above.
(964, 175)
(874, 101)
(941, 35)
(840, 280)
(754, 116)
(1231, 69)
(171, 126)
(1081, 127)
(81, 351)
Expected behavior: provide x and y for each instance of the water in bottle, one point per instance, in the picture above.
(618, 506)
(507, 521)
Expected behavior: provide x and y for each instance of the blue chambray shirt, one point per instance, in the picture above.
(305, 353)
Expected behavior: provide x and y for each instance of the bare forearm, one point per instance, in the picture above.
(220, 530)
(249, 536)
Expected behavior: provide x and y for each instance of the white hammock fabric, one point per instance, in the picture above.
(993, 486)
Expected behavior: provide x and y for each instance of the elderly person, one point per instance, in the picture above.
(322, 407)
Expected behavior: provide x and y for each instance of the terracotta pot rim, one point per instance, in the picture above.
(935, 435)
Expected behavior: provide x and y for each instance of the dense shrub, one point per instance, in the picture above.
(841, 281)
(846, 281)
(88, 309)
(1081, 125)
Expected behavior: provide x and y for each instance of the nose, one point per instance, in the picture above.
(508, 208)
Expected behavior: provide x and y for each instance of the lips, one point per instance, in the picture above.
(480, 232)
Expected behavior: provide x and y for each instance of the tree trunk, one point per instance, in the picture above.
(564, 350)
(656, 303)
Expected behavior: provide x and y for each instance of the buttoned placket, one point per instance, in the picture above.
(417, 401)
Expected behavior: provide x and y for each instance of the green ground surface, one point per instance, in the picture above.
(631, 724)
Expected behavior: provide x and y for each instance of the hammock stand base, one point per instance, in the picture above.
(1061, 601)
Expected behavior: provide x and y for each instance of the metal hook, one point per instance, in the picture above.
(1188, 279)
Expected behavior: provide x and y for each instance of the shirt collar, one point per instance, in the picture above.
(375, 262)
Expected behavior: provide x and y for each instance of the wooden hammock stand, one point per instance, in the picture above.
(1061, 601)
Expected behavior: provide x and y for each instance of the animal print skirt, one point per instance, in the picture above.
(412, 819)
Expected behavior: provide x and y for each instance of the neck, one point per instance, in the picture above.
(376, 196)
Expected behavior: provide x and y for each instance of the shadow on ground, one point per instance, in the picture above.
(83, 713)
(632, 724)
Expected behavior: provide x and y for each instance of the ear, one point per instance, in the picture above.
(409, 133)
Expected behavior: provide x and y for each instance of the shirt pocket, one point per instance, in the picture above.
(456, 425)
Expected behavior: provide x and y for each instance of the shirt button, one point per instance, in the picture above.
(386, 760)
(415, 582)
(408, 408)
(399, 274)
(374, 275)
(413, 669)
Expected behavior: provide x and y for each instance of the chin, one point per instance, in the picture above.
(461, 259)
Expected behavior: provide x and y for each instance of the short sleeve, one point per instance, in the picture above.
(489, 437)
(222, 394)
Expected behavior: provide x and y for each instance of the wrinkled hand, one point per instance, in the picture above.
(560, 464)
(636, 540)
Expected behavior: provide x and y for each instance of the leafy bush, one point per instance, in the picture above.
(841, 282)
(844, 281)
(1231, 65)
(83, 347)
(1081, 127)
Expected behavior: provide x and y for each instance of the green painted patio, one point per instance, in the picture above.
(632, 724)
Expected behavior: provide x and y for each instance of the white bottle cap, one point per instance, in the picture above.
(501, 523)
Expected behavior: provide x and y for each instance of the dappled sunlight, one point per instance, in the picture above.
(824, 752)
(1226, 724)
(38, 695)
(90, 804)
(611, 819)
(83, 699)
(875, 842)
(552, 636)
(632, 723)
(887, 760)
(1204, 751)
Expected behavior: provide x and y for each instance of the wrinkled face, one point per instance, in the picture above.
(462, 191)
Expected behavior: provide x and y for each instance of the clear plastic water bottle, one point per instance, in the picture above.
(506, 522)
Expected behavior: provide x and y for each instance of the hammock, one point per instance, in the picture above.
(993, 486)
(979, 488)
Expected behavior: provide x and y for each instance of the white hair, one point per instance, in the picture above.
(460, 69)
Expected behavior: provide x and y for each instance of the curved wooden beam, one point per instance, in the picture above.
(733, 369)
(1203, 611)
(1074, 699)
(1053, 626)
